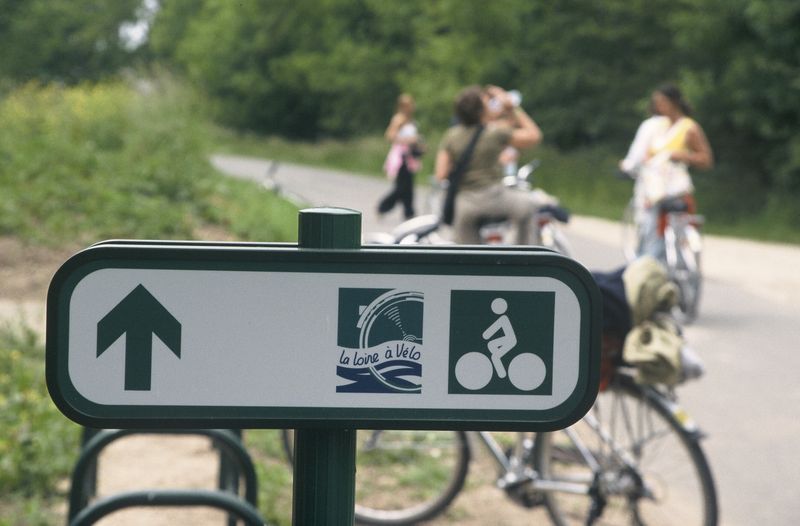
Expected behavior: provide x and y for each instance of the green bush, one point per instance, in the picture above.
(37, 444)
(97, 161)
(109, 161)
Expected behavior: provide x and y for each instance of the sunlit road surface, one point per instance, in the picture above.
(748, 334)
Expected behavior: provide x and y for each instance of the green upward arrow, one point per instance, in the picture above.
(139, 316)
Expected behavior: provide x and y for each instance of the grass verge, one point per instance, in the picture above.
(38, 445)
(274, 475)
(79, 164)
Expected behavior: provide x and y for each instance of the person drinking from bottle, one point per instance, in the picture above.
(468, 157)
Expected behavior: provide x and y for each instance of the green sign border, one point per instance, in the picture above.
(470, 261)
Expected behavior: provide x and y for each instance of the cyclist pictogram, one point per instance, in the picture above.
(507, 340)
(507, 355)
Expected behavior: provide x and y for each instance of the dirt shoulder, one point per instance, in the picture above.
(26, 270)
(25, 274)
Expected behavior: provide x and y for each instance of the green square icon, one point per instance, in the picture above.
(501, 342)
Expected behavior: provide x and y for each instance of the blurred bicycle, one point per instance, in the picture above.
(683, 247)
(494, 230)
(635, 458)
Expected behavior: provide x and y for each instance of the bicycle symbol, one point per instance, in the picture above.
(474, 370)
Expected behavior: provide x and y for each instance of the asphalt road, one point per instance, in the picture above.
(748, 334)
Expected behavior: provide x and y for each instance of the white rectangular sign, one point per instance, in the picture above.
(271, 338)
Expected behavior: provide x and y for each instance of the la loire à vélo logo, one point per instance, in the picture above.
(380, 341)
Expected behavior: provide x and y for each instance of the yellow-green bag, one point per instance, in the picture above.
(654, 348)
(648, 289)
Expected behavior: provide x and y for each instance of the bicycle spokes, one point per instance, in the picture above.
(626, 462)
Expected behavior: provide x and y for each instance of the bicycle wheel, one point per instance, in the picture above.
(628, 461)
(690, 255)
(684, 268)
(630, 233)
(404, 477)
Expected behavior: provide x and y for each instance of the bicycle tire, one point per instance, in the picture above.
(630, 233)
(404, 477)
(669, 480)
(691, 303)
(686, 273)
(690, 290)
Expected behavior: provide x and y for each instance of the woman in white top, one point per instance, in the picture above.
(403, 159)
(665, 146)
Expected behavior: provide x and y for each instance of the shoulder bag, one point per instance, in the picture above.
(454, 177)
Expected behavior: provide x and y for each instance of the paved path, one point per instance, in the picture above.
(747, 333)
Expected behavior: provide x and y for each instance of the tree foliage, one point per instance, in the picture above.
(63, 40)
(319, 68)
(291, 67)
(743, 74)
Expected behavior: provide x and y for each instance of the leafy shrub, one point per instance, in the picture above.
(37, 444)
(109, 161)
(97, 161)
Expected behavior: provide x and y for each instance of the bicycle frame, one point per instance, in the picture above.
(516, 471)
(606, 455)
(510, 464)
(682, 239)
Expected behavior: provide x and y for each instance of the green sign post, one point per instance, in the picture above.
(325, 459)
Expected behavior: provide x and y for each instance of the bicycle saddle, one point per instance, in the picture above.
(491, 219)
(559, 213)
(674, 204)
